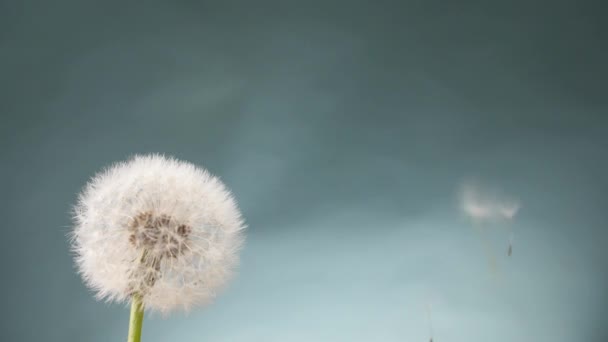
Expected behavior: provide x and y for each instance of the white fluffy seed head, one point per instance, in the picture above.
(162, 229)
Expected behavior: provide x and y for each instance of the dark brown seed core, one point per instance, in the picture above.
(157, 236)
(160, 235)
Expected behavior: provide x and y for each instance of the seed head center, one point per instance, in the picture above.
(158, 234)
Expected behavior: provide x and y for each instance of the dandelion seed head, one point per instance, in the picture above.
(158, 227)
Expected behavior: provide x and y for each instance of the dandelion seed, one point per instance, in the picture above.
(485, 207)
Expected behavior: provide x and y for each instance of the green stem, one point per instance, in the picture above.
(137, 319)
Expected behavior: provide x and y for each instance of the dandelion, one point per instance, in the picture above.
(157, 232)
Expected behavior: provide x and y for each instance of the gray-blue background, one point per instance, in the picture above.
(344, 130)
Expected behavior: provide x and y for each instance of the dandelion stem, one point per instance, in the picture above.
(136, 320)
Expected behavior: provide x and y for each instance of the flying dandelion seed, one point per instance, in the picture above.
(160, 233)
(484, 208)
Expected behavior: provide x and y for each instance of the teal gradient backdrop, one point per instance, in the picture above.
(344, 130)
